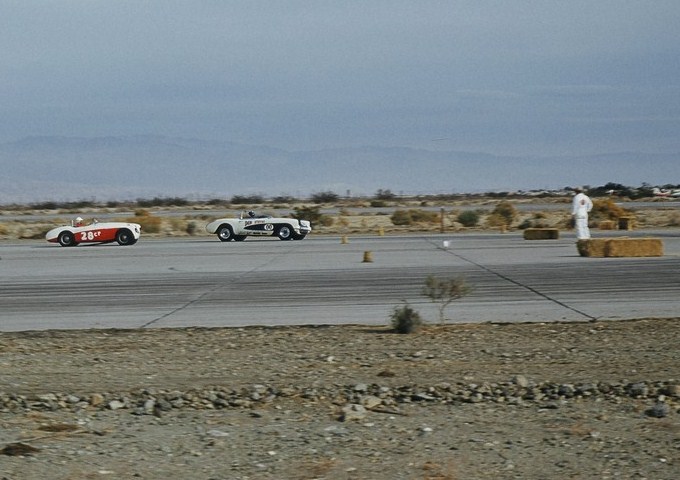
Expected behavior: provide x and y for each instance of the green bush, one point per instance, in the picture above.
(405, 319)
(401, 217)
(468, 218)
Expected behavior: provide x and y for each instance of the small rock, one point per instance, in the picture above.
(370, 401)
(659, 410)
(520, 381)
(116, 405)
(353, 412)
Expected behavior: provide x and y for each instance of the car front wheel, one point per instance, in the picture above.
(225, 233)
(285, 232)
(67, 239)
(125, 237)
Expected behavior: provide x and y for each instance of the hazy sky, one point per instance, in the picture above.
(505, 77)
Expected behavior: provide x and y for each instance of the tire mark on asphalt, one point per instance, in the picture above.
(514, 282)
(217, 287)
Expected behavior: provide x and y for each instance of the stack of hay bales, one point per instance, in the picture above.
(607, 225)
(620, 247)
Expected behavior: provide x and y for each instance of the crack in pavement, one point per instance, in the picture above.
(515, 282)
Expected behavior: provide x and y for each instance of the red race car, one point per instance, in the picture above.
(95, 232)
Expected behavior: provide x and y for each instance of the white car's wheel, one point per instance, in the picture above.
(67, 239)
(285, 232)
(225, 233)
(125, 237)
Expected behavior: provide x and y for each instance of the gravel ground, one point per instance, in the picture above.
(530, 401)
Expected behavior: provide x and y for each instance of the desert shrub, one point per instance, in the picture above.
(313, 214)
(324, 197)
(526, 223)
(495, 220)
(674, 220)
(424, 216)
(217, 202)
(162, 202)
(405, 319)
(376, 203)
(409, 217)
(247, 199)
(326, 221)
(444, 291)
(191, 228)
(505, 211)
(384, 194)
(401, 217)
(3, 229)
(529, 223)
(149, 223)
(468, 218)
(284, 199)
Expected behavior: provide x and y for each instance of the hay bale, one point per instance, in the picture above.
(607, 225)
(620, 247)
(635, 247)
(593, 247)
(541, 234)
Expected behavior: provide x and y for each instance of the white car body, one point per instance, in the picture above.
(238, 229)
(96, 232)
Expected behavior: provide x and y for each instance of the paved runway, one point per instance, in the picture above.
(203, 282)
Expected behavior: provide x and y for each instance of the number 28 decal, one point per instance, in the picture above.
(85, 236)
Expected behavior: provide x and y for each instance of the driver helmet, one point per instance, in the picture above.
(78, 222)
(251, 214)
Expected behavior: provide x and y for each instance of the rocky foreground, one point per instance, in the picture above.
(530, 401)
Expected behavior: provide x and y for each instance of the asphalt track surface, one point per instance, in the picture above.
(203, 282)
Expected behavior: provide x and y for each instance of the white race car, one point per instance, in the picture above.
(238, 229)
(95, 232)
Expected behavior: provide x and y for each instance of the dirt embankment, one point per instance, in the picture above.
(565, 400)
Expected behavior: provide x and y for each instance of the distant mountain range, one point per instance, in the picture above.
(121, 168)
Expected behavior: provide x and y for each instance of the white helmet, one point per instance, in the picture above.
(78, 222)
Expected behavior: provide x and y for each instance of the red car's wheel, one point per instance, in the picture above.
(125, 237)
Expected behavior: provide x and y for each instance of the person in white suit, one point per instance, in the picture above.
(581, 206)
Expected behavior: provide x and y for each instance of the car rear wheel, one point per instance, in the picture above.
(67, 239)
(125, 237)
(225, 233)
(285, 232)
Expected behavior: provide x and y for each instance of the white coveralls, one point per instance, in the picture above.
(581, 205)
